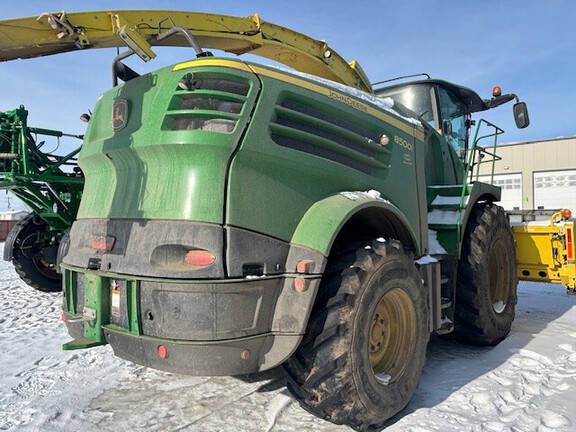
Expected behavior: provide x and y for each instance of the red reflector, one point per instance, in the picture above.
(162, 351)
(300, 284)
(63, 317)
(200, 258)
(101, 242)
(569, 244)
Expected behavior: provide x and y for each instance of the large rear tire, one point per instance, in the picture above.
(34, 256)
(365, 346)
(487, 282)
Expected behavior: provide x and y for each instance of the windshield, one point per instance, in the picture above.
(417, 98)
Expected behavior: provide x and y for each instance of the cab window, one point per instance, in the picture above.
(454, 112)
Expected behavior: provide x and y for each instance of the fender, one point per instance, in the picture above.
(479, 192)
(13, 235)
(323, 221)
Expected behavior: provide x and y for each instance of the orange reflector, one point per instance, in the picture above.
(101, 242)
(303, 266)
(496, 91)
(162, 351)
(566, 213)
(569, 244)
(200, 258)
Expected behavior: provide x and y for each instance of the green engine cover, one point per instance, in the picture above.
(242, 145)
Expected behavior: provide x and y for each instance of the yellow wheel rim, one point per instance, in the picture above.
(499, 276)
(392, 338)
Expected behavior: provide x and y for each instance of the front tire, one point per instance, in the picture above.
(487, 282)
(365, 346)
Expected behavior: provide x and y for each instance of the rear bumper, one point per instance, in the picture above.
(228, 357)
(201, 327)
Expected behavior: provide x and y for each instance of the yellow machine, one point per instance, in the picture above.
(139, 29)
(545, 250)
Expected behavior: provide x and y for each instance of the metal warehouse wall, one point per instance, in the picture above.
(544, 170)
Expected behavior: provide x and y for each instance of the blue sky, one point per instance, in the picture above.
(526, 47)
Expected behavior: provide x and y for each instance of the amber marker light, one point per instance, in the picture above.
(566, 213)
(303, 266)
(200, 258)
(496, 91)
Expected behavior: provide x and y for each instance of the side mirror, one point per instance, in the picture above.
(521, 115)
(446, 127)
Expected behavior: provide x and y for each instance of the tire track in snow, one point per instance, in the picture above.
(161, 401)
(529, 392)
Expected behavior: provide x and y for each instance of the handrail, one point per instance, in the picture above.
(476, 155)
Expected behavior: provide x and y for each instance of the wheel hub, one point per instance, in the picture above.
(392, 337)
(499, 277)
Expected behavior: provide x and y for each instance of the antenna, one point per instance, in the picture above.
(402, 77)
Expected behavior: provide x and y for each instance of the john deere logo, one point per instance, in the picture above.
(119, 114)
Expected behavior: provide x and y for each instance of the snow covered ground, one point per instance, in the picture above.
(525, 384)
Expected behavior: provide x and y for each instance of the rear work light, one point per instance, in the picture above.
(101, 242)
(200, 258)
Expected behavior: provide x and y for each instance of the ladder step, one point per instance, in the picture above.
(442, 227)
(445, 303)
(81, 343)
(446, 327)
(9, 156)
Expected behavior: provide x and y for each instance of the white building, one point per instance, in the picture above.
(536, 174)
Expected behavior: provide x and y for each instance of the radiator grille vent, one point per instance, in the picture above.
(211, 104)
(307, 126)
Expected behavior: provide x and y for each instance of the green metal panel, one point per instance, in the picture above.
(304, 142)
(96, 298)
(70, 289)
(169, 159)
(133, 293)
(302, 147)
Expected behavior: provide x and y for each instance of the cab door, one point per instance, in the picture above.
(453, 121)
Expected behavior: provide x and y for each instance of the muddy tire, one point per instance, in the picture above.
(365, 346)
(487, 282)
(35, 261)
